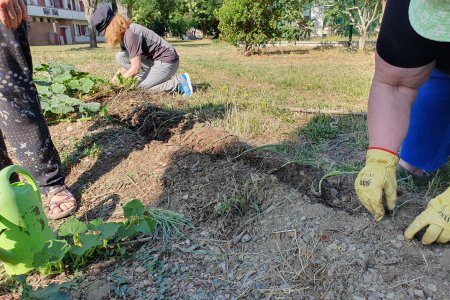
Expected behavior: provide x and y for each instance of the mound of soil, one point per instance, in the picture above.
(262, 232)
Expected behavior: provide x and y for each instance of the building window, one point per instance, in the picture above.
(41, 20)
(81, 30)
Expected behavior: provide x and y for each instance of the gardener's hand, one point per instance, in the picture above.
(12, 13)
(378, 176)
(436, 217)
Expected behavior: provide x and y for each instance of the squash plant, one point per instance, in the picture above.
(78, 243)
(61, 86)
(81, 241)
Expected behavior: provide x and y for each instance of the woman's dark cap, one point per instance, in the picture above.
(101, 17)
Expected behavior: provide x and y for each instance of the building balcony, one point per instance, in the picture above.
(56, 13)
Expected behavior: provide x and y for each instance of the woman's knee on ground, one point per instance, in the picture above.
(123, 59)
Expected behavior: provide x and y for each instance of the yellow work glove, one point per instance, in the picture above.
(436, 217)
(378, 176)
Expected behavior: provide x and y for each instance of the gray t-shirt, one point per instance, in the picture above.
(139, 40)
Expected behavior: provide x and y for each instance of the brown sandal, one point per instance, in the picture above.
(66, 197)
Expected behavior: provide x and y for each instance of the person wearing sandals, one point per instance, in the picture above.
(412, 63)
(144, 54)
(21, 118)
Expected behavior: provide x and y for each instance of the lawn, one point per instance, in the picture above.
(258, 92)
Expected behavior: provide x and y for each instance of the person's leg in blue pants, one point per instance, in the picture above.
(427, 144)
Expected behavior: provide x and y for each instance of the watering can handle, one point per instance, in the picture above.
(8, 171)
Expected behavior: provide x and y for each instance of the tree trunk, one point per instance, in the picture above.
(92, 36)
(90, 6)
(362, 38)
(126, 11)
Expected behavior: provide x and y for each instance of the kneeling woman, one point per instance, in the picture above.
(144, 53)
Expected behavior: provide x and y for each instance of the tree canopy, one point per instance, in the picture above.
(250, 22)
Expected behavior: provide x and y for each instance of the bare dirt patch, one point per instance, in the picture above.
(261, 232)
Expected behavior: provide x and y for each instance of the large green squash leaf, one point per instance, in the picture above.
(134, 208)
(87, 241)
(72, 227)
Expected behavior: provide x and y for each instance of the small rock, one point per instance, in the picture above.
(400, 237)
(374, 296)
(334, 192)
(140, 270)
(217, 282)
(303, 218)
(246, 238)
(432, 287)
(185, 197)
(333, 246)
(99, 289)
(184, 269)
(398, 245)
(419, 293)
(390, 296)
(358, 298)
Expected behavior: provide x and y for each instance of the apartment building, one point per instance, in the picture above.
(57, 22)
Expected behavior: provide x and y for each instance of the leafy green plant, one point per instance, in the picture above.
(127, 83)
(78, 242)
(50, 292)
(60, 88)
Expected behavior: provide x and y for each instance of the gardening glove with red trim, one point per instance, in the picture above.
(378, 176)
(437, 217)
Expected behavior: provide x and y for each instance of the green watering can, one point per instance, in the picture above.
(24, 227)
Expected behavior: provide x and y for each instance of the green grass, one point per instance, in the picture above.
(258, 91)
(255, 97)
(238, 203)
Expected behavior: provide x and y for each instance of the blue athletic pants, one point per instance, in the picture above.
(427, 144)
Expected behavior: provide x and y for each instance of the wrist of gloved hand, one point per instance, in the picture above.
(436, 217)
(378, 177)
